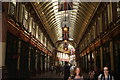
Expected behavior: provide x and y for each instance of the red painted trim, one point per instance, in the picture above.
(19, 32)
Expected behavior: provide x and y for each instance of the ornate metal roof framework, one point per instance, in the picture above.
(79, 18)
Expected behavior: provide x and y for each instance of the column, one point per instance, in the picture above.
(41, 61)
(45, 41)
(94, 53)
(87, 62)
(29, 58)
(30, 24)
(17, 11)
(3, 31)
(101, 57)
(41, 37)
(111, 55)
(101, 24)
(20, 11)
(0, 40)
(36, 61)
(45, 62)
(91, 62)
(36, 31)
(48, 63)
(19, 47)
(84, 63)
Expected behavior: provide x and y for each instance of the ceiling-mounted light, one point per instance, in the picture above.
(65, 29)
(65, 40)
(65, 49)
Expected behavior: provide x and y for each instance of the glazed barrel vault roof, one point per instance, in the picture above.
(79, 18)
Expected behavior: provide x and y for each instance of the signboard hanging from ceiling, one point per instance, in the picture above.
(65, 18)
(65, 5)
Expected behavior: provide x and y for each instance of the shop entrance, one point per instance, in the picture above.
(11, 58)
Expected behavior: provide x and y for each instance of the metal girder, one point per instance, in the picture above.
(79, 17)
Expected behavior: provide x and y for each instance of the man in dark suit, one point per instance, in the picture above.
(66, 71)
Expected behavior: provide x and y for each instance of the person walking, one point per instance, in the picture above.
(77, 74)
(72, 69)
(97, 72)
(91, 75)
(106, 75)
(52, 69)
(66, 71)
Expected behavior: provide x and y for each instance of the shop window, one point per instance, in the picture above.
(12, 9)
(118, 9)
(92, 34)
(39, 32)
(109, 13)
(41, 37)
(25, 18)
(104, 20)
(88, 37)
(100, 18)
(33, 29)
(30, 24)
(86, 42)
(98, 26)
(48, 45)
(82, 45)
(45, 41)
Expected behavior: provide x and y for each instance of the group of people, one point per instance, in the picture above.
(72, 72)
(77, 74)
(58, 69)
